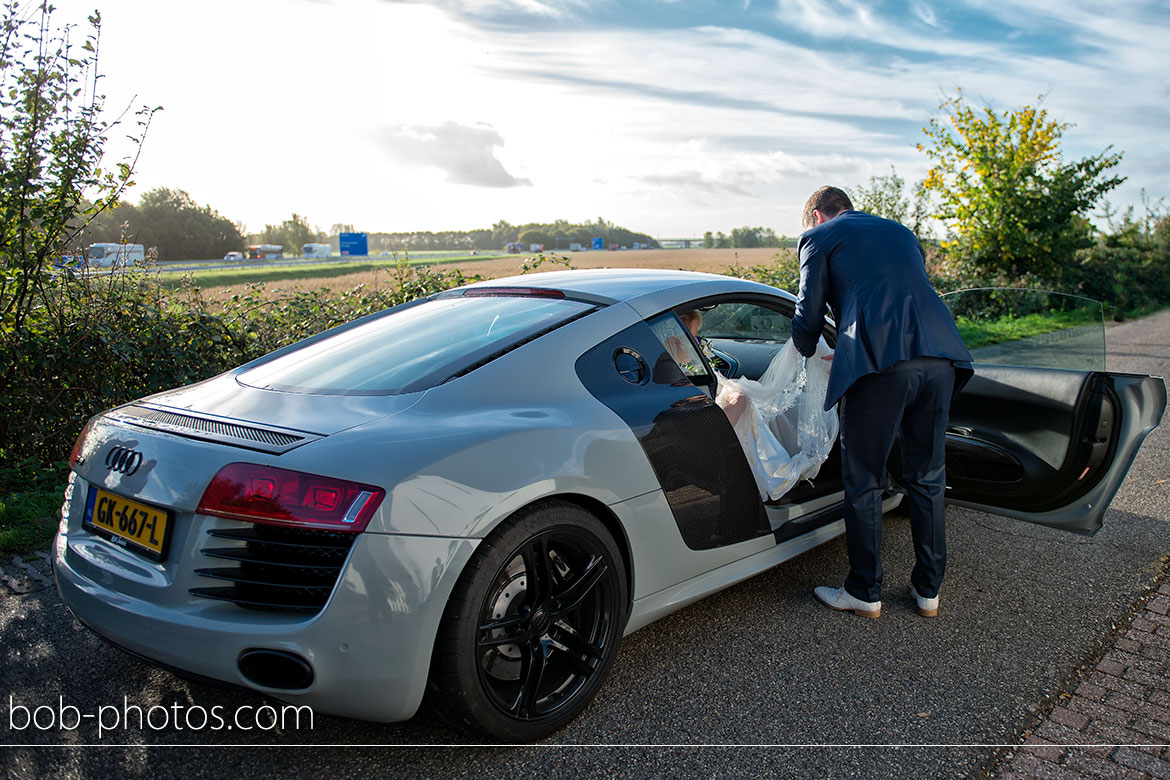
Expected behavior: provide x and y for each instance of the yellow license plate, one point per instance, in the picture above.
(127, 523)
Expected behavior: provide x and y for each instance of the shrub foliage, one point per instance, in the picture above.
(52, 139)
(1013, 203)
(94, 342)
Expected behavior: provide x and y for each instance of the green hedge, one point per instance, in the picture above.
(98, 341)
(1129, 278)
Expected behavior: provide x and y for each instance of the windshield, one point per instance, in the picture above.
(413, 347)
(1018, 327)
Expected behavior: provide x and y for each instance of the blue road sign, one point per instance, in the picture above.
(599, 243)
(354, 244)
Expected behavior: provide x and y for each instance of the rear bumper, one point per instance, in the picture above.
(369, 648)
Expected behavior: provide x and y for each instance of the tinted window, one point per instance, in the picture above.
(739, 338)
(1019, 327)
(412, 348)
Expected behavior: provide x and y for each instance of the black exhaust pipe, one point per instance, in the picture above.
(275, 669)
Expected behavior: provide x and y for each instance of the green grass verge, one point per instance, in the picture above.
(260, 273)
(980, 333)
(28, 521)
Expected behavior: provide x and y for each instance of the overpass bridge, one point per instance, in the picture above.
(680, 243)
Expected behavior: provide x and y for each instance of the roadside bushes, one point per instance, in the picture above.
(784, 271)
(1127, 270)
(1131, 279)
(98, 341)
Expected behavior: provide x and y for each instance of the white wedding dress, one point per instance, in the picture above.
(785, 431)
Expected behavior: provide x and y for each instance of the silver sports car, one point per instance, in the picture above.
(474, 496)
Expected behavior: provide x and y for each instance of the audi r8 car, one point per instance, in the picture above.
(472, 497)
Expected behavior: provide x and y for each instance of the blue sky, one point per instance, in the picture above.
(668, 116)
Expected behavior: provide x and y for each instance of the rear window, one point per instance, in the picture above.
(413, 348)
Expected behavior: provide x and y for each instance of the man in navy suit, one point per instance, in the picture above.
(898, 361)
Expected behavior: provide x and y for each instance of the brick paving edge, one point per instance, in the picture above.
(1042, 713)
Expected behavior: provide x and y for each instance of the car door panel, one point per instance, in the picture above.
(1049, 446)
(1018, 428)
(747, 339)
(687, 438)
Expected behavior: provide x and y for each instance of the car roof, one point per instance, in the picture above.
(639, 287)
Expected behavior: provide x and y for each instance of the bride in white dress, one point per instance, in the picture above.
(780, 419)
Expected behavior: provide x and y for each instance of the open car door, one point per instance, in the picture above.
(1042, 432)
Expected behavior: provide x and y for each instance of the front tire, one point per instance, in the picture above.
(533, 625)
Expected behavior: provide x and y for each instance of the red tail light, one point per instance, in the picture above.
(263, 494)
(491, 292)
(75, 454)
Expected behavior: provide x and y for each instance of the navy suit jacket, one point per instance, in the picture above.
(871, 271)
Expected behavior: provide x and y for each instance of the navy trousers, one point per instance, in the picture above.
(910, 399)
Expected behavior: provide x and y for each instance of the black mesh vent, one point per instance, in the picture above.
(159, 418)
(276, 568)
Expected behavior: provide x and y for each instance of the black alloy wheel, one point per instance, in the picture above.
(533, 625)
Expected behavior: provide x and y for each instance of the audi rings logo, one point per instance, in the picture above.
(123, 460)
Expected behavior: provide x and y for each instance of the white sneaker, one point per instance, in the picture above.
(926, 607)
(839, 598)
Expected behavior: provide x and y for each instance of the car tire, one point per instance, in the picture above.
(532, 627)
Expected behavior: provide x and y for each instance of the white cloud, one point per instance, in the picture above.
(855, 20)
(490, 8)
(465, 153)
(926, 14)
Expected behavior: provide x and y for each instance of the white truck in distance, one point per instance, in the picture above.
(109, 255)
(317, 250)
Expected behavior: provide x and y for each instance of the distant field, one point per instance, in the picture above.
(276, 272)
(345, 276)
(711, 260)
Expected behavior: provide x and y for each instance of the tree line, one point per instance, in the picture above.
(177, 228)
(561, 234)
(167, 221)
(557, 235)
(743, 238)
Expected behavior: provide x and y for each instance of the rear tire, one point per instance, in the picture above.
(533, 625)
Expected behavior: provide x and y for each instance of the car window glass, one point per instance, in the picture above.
(739, 338)
(1016, 327)
(411, 348)
(745, 321)
(674, 336)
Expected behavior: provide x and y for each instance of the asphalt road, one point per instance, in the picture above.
(761, 670)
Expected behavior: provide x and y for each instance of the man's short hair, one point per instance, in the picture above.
(830, 201)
